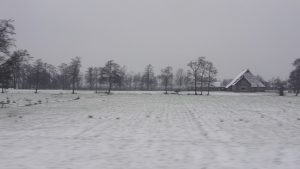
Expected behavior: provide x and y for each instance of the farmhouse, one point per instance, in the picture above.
(246, 82)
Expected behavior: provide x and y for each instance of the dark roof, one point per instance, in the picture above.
(253, 80)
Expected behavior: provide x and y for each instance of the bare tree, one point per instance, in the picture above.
(128, 80)
(17, 59)
(195, 67)
(37, 71)
(180, 78)
(26, 79)
(187, 80)
(74, 72)
(137, 81)
(90, 77)
(149, 77)
(98, 74)
(166, 77)
(279, 85)
(122, 78)
(211, 74)
(111, 73)
(5, 75)
(294, 79)
(203, 71)
(48, 76)
(7, 29)
(63, 75)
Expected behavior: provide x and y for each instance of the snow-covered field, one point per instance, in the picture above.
(148, 130)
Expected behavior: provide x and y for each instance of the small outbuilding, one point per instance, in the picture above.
(246, 82)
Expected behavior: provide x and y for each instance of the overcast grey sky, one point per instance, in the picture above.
(263, 35)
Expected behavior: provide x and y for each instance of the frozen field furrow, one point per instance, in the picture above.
(138, 130)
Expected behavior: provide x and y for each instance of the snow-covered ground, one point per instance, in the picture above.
(148, 130)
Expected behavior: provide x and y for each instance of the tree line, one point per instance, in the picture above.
(19, 70)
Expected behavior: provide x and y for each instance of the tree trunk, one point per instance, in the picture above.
(195, 84)
(14, 81)
(73, 86)
(201, 87)
(166, 88)
(281, 91)
(109, 85)
(36, 86)
(208, 85)
(73, 89)
(2, 90)
(15, 84)
(148, 84)
(180, 85)
(109, 88)
(96, 87)
(208, 88)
